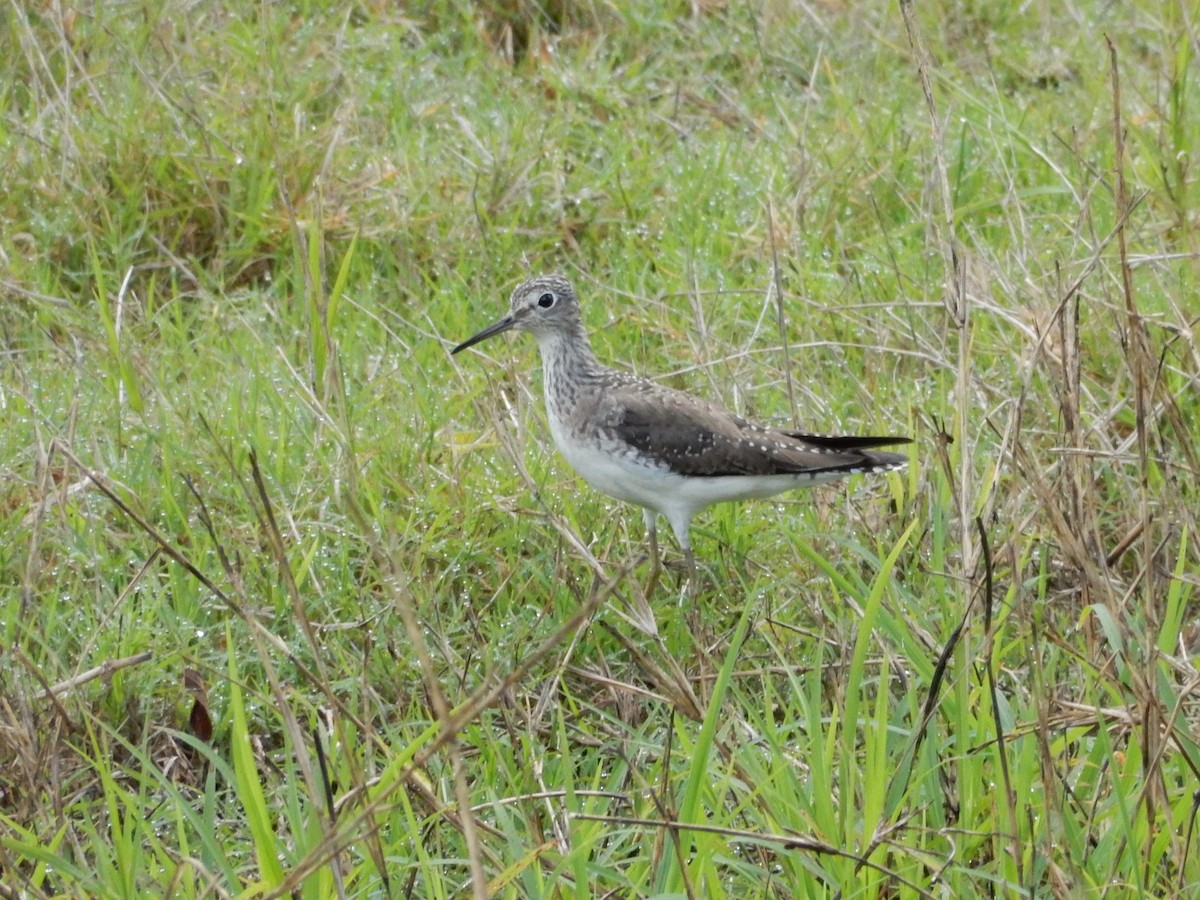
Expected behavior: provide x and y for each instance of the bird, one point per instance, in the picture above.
(665, 450)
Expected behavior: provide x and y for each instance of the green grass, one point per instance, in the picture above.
(294, 602)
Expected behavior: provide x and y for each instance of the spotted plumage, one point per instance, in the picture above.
(667, 451)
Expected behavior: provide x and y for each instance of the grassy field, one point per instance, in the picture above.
(292, 602)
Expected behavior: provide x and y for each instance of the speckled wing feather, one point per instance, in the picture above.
(697, 438)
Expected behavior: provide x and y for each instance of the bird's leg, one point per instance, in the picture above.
(681, 521)
(692, 587)
(652, 537)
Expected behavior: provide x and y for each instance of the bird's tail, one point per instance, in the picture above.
(847, 442)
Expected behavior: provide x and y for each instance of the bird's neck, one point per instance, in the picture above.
(568, 369)
(567, 356)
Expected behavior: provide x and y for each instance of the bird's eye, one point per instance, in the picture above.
(546, 301)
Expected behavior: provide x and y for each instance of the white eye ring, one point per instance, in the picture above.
(546, 300)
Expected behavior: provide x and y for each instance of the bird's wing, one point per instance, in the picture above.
(699, 438)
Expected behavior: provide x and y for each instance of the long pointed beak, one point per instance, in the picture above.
(503, 325)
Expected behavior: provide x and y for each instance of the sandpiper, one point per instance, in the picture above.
(669, 452)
